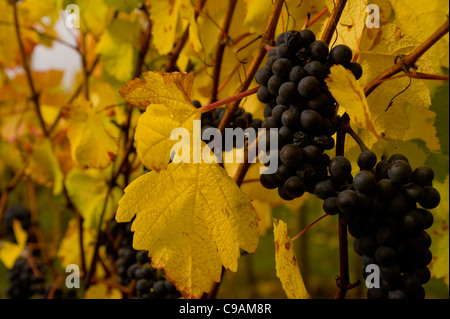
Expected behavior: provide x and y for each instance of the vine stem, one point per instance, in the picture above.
(343, 280)
(233, 98)
(26, 67)
(415, 75)
(222, 43)
(333, 21)
(308, 227)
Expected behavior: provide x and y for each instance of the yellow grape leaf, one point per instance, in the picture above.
(165, 15)
(117, 48)
(44, 167)
(286, 263)
(102, 291)
(87, 190)
(171, 89)
(408, 110)
(166, 98)
(439, 265)
(9, 251)
(90, 144)
(192, 219)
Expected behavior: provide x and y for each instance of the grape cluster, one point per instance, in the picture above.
(386, 207)
(27, 281)
(24, 283)
(299, 104)
(241, 119)
(134, 269)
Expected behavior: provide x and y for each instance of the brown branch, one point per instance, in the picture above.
(333, 21)
(233, 98)
(415, 75)
(34, 93)
(222, 43)
(308, 227)
(171, 64)
(409, 60)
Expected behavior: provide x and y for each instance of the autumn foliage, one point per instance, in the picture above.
(86, 159)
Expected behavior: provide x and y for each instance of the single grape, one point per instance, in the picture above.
(311, 121)
(356, 69)
(294, 186)
(319, 51)
(291, 155)
(400, 172)
(297, 73)
(423, 176)
(309, 87)
(347, 201)
(431, 198)
(340, 168)
(364, 182)
(282, 67)
(367, 160)
(341, 54)
(263, 75)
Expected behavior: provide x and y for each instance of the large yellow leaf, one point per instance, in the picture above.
(192, 218)
(90, 144)
(410, 107)
(168, 107)
(286, 263)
